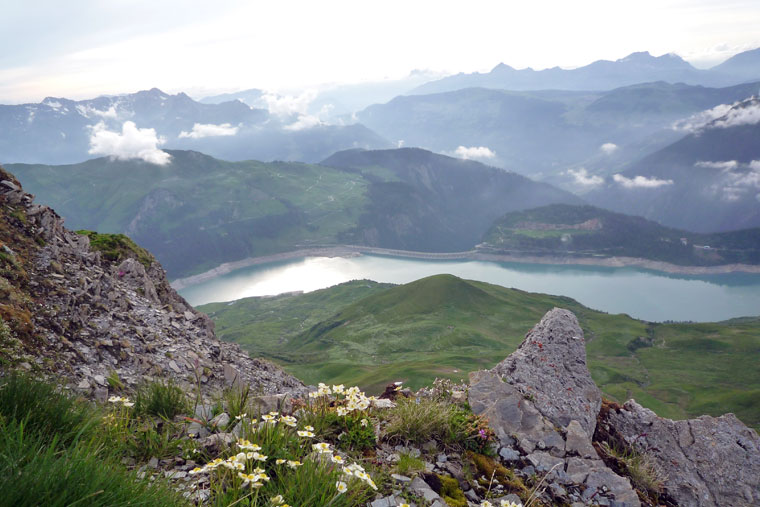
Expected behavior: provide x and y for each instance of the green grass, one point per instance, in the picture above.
(53, 452)
(161, 398)
(370, 334)
(117, 247)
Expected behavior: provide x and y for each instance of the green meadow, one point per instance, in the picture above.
(369, 334)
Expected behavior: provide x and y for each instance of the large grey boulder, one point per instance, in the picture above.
(549, 368)
(542, 405)
(704, 461)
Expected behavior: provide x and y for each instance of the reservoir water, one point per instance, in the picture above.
(643, 294)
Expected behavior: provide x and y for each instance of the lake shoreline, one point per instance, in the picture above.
(473, 255)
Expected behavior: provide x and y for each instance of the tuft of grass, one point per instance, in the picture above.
(639, 467)
(117, 247)
(408, 464)
(162, 398)
(114, 381)
(45, 411)
(417, 421)
(236, 400)
(35, 470)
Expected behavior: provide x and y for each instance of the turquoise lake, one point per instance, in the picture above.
(640, 293)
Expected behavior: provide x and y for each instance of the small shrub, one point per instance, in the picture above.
(161, 398)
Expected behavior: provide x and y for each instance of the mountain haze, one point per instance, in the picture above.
(635, 68)
(709, 181)
(543, 133)
(433, 202)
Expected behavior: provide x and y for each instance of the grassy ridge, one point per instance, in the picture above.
(369, 334)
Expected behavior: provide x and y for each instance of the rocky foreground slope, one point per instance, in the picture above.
(88, 314)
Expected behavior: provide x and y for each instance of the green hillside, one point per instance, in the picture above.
(589, 231)
(370, 334)
(197, 212)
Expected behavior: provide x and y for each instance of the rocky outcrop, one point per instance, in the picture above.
(704, 461)
(542, 404)
(545, 411)
(95, 318)
(550, 369)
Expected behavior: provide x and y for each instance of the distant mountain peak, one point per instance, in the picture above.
(637, 56)
(502, 67)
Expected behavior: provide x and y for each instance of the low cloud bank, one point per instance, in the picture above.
(582, 177)
(287, 105)
(130, 143)
(210, 130)
(303, 122)
(722, 116)
(89, 112)
(475, 152)
(640, 181)
(726, 165)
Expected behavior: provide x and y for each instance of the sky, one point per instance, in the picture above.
(84, 48)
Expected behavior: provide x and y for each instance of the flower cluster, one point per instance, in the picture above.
(354, 398)
(502, 503)
(356, 470)
(122, 400)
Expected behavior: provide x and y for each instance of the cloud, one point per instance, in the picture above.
(737, 179)
(697, 121)
(89, 112)
(304, 121)
(474, 152)
(210, 130)
(608, 148)
(287, 105)
(722, 116)
(132, 142)
(723, 166)
(400, 143)
(640, 181)
(582, 177)
(746, 115)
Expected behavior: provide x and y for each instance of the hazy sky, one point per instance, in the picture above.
(84, 48)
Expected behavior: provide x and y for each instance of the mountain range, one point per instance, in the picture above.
(58, 130)
(196, 212)
(544, 133)
(635, 68)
